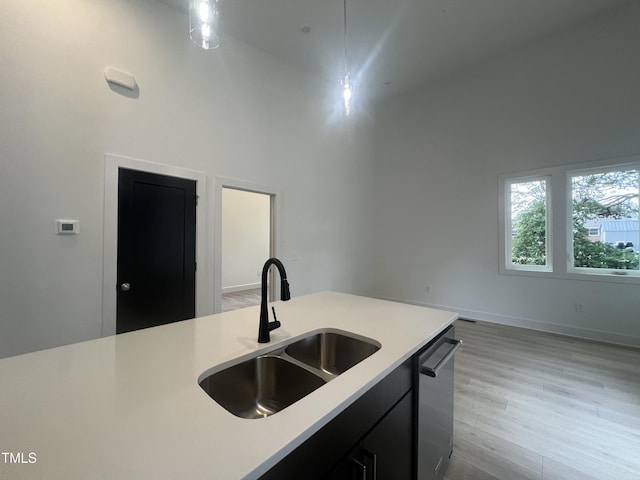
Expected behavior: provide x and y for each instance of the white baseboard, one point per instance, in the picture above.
(241, 288)
(585, 333)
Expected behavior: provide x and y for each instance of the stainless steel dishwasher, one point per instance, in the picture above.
(435, 405)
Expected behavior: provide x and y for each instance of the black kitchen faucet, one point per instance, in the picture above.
(265, 325)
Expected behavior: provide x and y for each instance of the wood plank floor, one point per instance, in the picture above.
(244, 298)
(533, 405)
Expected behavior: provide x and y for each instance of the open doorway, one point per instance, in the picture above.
(246, 244)
(267, 194)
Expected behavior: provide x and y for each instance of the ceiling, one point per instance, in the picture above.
(395, 45)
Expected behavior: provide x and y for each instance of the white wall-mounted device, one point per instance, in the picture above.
(118, 77)
(67, 227)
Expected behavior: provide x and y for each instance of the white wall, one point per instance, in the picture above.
(245, 238)
(233, 112)
(569, 98)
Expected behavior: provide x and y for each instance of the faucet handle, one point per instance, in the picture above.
(276, 323)
(273, 325)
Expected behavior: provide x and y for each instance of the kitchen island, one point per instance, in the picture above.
(129, 406)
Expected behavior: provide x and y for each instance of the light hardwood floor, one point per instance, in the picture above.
(245, 298)
(533, 405)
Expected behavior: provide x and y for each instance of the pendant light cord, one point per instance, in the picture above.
(346, 63)
(347, 89)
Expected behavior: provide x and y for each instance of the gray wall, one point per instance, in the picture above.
(569, 98)
(234, 112)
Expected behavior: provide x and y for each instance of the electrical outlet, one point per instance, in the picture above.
(579, 308)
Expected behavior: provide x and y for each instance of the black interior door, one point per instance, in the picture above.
(156, 249)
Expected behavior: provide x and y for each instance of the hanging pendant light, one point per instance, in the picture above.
(347, 85)
(203, 23)
(347, 94)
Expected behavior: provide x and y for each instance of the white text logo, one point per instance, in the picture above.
(19, 457)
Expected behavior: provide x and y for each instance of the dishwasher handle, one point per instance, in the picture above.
(433, 372)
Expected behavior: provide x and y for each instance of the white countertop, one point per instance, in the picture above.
(130, 407)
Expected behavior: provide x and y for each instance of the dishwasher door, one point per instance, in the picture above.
(435, 406)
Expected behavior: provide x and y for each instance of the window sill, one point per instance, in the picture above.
(590, 276)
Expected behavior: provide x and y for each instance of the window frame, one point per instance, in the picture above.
(581, 271)
(559, 222)
(508, 222)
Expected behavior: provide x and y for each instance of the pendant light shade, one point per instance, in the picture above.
(347, 94)
(203, 23)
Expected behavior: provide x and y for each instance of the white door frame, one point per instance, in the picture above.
(204, 272)
(276, 200)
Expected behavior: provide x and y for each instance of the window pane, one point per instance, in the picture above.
(528, 218)
(605, 220)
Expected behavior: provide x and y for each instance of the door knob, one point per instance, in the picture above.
(125, 287)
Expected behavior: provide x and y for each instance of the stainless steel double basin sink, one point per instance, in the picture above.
(268, 383)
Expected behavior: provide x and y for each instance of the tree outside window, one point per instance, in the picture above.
(610, 198)
(528, 217)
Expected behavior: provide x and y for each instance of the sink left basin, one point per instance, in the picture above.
(260, 386)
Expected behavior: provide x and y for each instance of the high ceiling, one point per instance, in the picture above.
(396, 45)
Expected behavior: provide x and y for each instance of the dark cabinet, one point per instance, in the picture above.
(391, 443)
(376, 430)
(386, 452)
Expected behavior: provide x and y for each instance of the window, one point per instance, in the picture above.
(527, 209)
(608, 196)
(594, 208)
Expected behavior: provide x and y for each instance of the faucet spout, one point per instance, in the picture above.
(266, 326)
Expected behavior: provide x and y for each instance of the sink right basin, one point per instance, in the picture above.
(331, 352)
